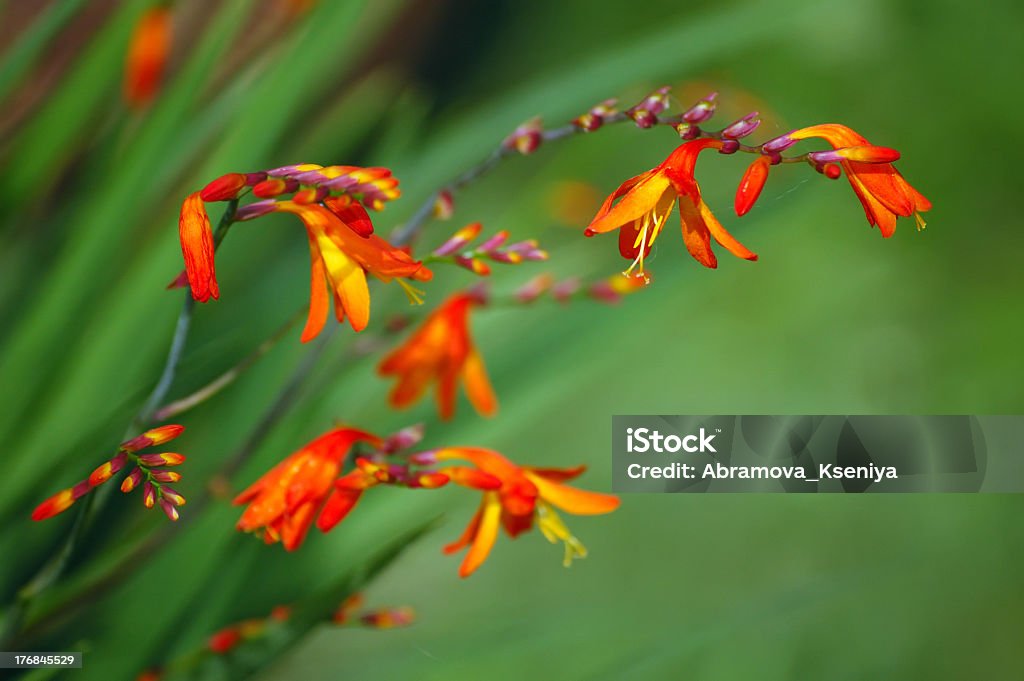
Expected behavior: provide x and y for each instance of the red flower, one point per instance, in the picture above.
(284, 501)
(645, 202)
(441, 350)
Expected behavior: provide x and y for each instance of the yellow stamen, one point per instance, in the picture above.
(415, 295)
(554, 530)
(921, 224)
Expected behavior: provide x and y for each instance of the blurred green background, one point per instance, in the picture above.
(833, 319)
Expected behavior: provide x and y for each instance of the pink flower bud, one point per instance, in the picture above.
(702, 110)
(780, 143)
(255, 210)
(742, 127)
(169, 509)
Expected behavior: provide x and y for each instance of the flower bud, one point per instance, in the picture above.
(742, 127)
(169, 509)
(534, 288)
(162, 459)
(224, 188)
(133, 480)
(444, 205)
(474, 265)
(702, 110)
(751, 184)
(780, 143)
(152, 437)
(255, 210)
(105, 471)
(459, 240)
(526, 138)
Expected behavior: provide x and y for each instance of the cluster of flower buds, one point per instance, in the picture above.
(493, 248)
(306, 183)
(526, 138)
(610, 290)
(351, 613)
(149, 471)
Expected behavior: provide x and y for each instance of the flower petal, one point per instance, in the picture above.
(319, 301)
(696, 235)
(478, 386)
(723, 237)
(642, 199)
(485, 536)
(349, 282)
(573, 500)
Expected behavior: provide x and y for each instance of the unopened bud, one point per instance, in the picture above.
(255, 210)
(780, 143)
(224, 188)
(133, 480)
(459, 240)
(751, 184)
(526, 138)
(444, 205)
(474, 265)
(169, 509)
(702, 110)
(742, 127)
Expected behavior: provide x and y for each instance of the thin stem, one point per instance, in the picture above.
(228, 377)
(407, 232)
(181, 330)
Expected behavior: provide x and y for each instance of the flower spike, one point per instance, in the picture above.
(146, 472)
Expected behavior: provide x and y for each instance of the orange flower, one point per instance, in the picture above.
(147, 56)
(342, 258)
(881, 188)
(284, 501)
(442, 350)
(646, 201)
(514, 497)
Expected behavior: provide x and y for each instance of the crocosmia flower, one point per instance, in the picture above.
(881, 188)
(645, 202)
(441, 351)
(516, 497)
(147, 56)
(285, 501)
(342, 258)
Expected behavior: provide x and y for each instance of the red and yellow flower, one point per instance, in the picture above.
(284, 502)
(881, 188)
(645, 202)
(442, 351)
(515, 497)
